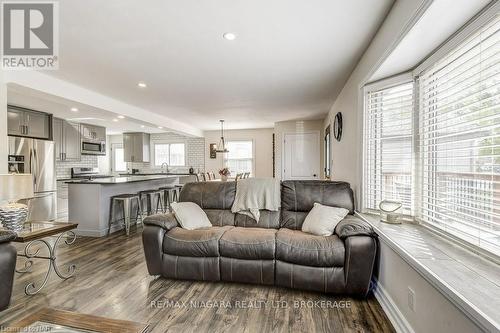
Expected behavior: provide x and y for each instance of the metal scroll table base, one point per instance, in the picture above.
(30, 255)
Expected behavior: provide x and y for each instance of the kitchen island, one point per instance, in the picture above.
(90, 200)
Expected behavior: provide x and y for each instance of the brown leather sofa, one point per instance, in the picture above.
(8, 257)
(273, 251)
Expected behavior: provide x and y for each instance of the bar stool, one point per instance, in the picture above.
(126, 201)
(177, 193)
(169, 193)
(151, 195)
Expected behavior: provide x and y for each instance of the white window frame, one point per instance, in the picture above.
(225, 159)
(153, 152)
(115, 146)
(400, 79)
(473, 25)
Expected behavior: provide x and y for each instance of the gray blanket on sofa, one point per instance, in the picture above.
(253, 194)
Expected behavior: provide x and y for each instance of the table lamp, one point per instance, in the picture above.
(14, 187)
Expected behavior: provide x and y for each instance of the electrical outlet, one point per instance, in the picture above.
(411, 299)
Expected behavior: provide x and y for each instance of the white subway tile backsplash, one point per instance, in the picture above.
(63, 169)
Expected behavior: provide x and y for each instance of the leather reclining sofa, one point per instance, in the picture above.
(274, 250)
(8, 256)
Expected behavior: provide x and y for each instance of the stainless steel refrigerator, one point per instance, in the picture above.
(38, 158)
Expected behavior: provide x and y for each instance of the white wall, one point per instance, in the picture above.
(433, 312)
(263, 148)
(347, 154)
(300, 126)
(4, 148)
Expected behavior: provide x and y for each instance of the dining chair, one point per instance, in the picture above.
(208, 177)
(239, 176)
(246, 175)
(212, 174)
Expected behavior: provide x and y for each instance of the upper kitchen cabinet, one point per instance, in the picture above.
(93, 133)
(29, 123)
(67, 140)
(136, 147)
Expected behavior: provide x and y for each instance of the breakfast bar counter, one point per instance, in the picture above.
(123, 180)
(89, 200)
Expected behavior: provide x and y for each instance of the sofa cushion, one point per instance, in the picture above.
(248, 243)
(220, 217)
(268, 219)
(209, 195)
(299, 196)
(190, 216)
(194, 243)
(297, 247)
(322, 220)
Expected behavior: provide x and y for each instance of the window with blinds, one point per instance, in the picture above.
(388, 146)
(459, 128)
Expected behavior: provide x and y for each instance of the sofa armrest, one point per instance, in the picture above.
(360, 254)
(6, 236)
(353, 226)
(165, 221)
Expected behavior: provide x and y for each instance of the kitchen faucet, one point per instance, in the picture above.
(164, 164)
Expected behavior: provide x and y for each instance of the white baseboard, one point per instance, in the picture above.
(397, 319)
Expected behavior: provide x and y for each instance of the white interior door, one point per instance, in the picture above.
(301, 156)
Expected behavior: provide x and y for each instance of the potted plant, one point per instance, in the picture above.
(224, 173)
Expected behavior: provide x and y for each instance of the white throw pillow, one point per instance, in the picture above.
(190, 216)
(322, 220)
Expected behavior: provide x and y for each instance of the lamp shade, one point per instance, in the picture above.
(16, 186)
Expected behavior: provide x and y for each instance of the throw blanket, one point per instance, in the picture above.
(253, 194)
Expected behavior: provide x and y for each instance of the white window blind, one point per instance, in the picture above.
(388, 146)
(459, 128)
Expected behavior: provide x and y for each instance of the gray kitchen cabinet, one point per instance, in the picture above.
(62, 200)
(93, 133)
(29, 123)
(15, 122)
(67, 140)
(72, 141)
(136, 147)
(57, 127)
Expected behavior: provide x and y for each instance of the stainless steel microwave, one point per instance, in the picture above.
(94, 148)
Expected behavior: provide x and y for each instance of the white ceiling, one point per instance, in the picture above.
(290, 58)
(441, 20)
(61, 108)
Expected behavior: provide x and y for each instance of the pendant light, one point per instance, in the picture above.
(221, 148)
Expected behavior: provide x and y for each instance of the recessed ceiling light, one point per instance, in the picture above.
(160, 127)
(142, 84)
(121, 117)
(115, 119)
(74, 109)
(142, 126)
(229, 36)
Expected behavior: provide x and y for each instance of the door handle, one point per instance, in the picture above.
(314, 175)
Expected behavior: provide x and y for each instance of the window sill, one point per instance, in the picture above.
(469, 281)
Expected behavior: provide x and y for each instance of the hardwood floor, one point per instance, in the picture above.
(112, 281)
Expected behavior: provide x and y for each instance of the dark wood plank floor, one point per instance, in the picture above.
(112, 281)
